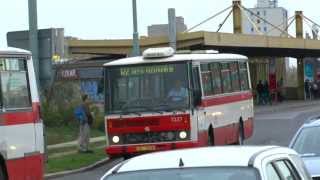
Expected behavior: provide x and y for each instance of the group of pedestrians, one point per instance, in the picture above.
(266, 96)
(311, 89)
(263, 93)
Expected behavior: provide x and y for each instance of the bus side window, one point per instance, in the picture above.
(235, 80)
(206, 80)
(216, 78)
(196, 86)
(244, 82)
(226, 78)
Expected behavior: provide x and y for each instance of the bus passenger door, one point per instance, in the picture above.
(198, 117)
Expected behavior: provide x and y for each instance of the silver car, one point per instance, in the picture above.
(307, 143)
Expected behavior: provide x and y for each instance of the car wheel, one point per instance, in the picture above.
(241, 134)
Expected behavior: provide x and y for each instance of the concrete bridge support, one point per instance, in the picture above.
(237, 17)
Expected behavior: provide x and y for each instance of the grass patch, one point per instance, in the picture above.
(56, 135)
(74, 161)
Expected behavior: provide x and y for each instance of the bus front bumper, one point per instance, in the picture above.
(120, 150)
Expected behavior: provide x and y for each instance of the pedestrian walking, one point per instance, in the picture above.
(307, 88)
(314, 90)
(280, 90)
(266, 93)
(85, 119)
(259, 92)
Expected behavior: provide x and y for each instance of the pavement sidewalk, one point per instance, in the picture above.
(75, 143)
(293, 104)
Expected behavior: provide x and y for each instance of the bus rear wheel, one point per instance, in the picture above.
(210, 137)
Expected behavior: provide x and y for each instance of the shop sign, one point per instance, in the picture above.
(68, 74)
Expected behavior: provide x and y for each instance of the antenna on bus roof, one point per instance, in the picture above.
(181, 164)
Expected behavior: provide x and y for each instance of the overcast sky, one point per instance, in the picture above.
(110, 19)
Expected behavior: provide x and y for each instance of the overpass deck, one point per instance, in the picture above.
(250, 45)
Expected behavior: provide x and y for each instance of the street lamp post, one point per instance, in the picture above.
(33, 36)
(136, 46)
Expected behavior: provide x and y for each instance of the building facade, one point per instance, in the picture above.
(270, 69)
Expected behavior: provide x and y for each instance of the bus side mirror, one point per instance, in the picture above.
(197, 97)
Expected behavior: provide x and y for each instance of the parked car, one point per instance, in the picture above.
(221, 163)
(306, 142)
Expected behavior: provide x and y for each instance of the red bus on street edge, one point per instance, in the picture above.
(21, 129)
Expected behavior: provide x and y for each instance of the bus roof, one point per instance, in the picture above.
(178, 57)
(12, 50)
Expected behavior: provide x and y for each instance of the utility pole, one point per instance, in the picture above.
(172, 24)
(136, 46)
(33, 36)
(300, 63)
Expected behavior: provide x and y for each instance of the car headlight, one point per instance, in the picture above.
(183, 135)
(115, 139)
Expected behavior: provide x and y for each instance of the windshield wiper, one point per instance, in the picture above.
(170, 108)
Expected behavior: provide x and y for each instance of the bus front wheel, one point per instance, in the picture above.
(2, 174)
(241, 133)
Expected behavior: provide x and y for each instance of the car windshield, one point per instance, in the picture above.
(210, 173)
(307, 142)
(149, 87)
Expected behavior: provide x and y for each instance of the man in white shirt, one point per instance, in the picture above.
(178, 93)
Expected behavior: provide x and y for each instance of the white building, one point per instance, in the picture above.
(268, 10)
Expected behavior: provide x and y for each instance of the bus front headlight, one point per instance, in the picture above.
(115, 139)
(183, 135)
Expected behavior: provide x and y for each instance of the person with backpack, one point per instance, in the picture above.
(85, 119)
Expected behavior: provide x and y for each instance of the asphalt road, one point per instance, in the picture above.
(94, 174)
(278, 128)
(271, 128)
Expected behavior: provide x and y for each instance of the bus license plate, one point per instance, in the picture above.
(146, 148)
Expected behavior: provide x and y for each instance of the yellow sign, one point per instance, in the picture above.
(134, 71)
(145, 148)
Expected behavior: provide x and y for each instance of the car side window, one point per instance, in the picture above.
(272, 173)
(287, 170)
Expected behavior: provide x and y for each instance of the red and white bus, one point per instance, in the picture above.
(21, 129)
(214, 104)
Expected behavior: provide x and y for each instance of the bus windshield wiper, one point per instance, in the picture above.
(129, 112)
(149, 109)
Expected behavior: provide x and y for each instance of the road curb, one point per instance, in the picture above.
(278, 109)
(87, 168)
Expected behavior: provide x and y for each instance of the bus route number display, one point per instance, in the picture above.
(143, 70)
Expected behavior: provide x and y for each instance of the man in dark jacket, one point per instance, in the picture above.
(259, 92)
(84, 134)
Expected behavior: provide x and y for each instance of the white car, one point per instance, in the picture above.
(214, 163)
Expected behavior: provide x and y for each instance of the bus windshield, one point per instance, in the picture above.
(148, 87)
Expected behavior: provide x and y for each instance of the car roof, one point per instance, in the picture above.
(12, 50)
(200, 157)
(177, 58)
